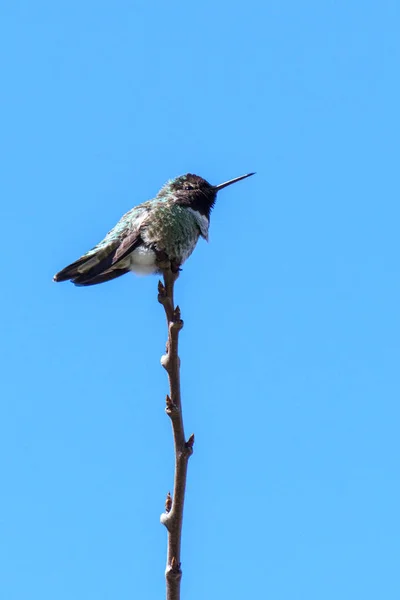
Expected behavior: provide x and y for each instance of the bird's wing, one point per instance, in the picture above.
(118, 243)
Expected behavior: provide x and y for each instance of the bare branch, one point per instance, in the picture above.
(173, 516)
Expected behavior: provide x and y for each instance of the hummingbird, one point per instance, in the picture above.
(164, 230)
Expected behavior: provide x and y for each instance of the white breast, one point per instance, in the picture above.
(143, 261)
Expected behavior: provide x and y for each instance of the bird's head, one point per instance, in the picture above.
(195, 192)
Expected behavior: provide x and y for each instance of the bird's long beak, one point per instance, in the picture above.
(222, 185)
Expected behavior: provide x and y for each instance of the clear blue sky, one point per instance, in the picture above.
(291, 346)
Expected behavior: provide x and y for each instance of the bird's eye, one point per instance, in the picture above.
(188, 187)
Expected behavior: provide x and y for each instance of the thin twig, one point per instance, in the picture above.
(173, 516)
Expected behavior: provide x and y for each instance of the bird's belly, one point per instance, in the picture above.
(143, 261)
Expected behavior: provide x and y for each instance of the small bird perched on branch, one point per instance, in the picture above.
(164, 229)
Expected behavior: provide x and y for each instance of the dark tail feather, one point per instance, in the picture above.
(96, 261)
(104, 262)
(83, 280)
(71, 271)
